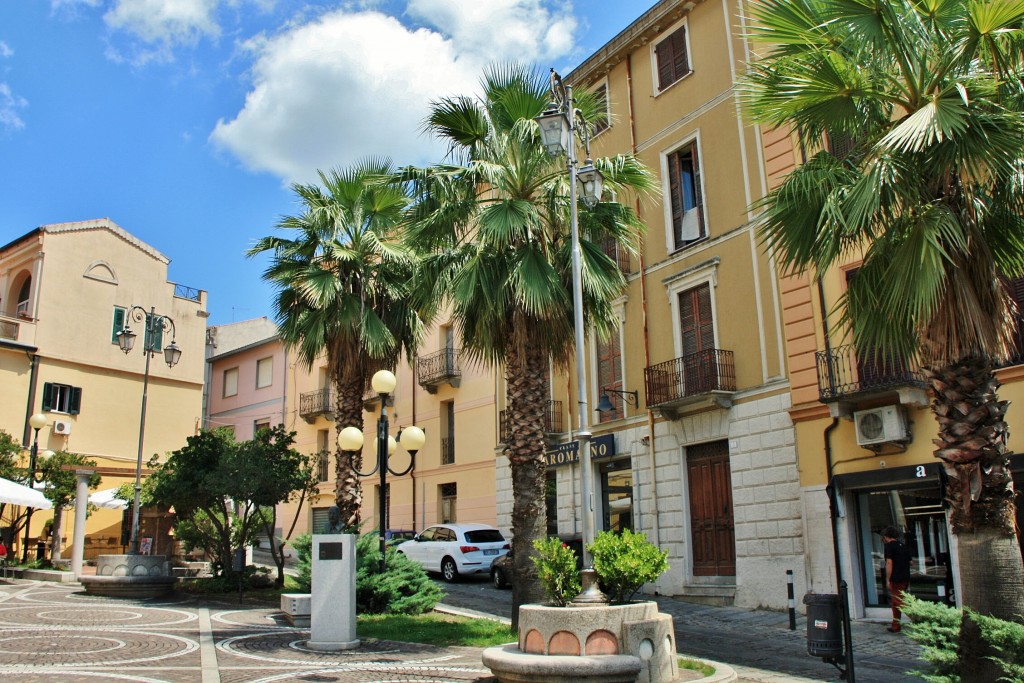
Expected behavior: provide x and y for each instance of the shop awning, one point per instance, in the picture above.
(17, 494)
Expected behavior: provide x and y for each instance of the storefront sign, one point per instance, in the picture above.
(566, 453)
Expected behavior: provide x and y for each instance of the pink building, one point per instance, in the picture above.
(246, 375)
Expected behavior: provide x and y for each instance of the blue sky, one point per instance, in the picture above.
(185, 121)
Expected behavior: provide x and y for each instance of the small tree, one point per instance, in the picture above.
(62, 487)
(222, 490)
(626, 561)
(556, 569)
(10, 449)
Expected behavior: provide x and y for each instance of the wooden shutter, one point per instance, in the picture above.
(672, 60)
(118, 323)
(76, 401)
(675, 192)
(696, 320)
(47, 396)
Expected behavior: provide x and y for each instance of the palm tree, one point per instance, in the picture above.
(343, 280)
(496, 221)
(928, 96)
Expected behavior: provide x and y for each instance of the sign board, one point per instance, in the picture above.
(145, 545)
(567, 453)
(331, 551)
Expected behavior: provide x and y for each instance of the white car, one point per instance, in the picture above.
(456, 549)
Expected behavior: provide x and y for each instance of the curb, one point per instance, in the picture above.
(723, 672)
(473, 614)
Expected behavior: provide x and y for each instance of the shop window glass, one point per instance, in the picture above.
(918, 515)
(617, 493)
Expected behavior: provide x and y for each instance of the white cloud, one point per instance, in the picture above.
(5, 50)
(9, 106)
(166, 22)
(498, 30)
(339, 89)
(349, 85)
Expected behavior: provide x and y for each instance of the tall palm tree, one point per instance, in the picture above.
(496, 221)
(928, 94)
(343, 282)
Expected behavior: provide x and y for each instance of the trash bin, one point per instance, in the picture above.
(824, 625)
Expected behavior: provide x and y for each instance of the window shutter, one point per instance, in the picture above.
(663, 55)
(697, 195)
(680, 63)
(705, 320)
(688, 323)
(47, 397)
(696, 320)
(118, 323)
(675, 196)
(76, 400)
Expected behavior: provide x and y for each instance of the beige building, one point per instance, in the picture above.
(64, 291)
(702, 456)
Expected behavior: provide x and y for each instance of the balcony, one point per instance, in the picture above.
(698, 381)
(439, 368)
(844, 379)
(313, 404)
(553, 421)
(18, 331)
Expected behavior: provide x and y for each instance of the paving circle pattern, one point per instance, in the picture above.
(93, 616)
(41, 644)
(65, 648)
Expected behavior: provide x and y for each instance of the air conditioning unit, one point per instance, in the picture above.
(887, 424)
(61, 427)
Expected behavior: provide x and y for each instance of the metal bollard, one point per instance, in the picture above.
(792, 600)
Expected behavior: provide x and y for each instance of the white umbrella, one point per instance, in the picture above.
(11, 492)
(107, 498)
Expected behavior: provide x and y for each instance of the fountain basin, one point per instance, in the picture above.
(130, 576)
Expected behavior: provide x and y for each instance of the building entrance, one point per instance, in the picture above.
(711, 518)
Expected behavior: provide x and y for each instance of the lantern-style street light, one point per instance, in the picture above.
(560, 125)
(350, 440)
(154, 325)
(36, 422)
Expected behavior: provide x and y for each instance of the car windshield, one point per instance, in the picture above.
(484, 536)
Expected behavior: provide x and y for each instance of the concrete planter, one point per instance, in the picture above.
(628, 643)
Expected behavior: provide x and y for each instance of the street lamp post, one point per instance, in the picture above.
(350, 440)
(559, 126)
(36, 422)
(126, 340)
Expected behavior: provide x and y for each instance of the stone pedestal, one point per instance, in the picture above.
(333, 596)
(130, 576)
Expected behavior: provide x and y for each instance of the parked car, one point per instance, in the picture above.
(456, 550)
(396, 536)
(502, 571)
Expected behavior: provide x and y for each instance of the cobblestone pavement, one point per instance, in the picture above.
(757, 644)
(52, 632)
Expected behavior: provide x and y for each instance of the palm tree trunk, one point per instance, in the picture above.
(979, 488)
(524, 446)
(348, 492)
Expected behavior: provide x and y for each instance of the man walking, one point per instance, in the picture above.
(897, 573)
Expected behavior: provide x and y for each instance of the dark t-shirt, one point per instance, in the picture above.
(900, 556)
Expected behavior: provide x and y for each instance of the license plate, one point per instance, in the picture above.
(490, 552)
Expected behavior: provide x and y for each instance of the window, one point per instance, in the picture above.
(617, 495)
(448, 496)
(603, 119)
(609, 374)
(118, 325)
(231, 382)
(264, 372)
(448, 437)
(685, 196)
(323, 437)
(61, 398)
(697, 324)
(23, 295)
(671, 57)
(551, 501)
(260, 424)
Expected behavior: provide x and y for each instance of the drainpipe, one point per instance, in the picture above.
(656, 525)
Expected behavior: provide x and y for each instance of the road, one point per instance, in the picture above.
(756, 643)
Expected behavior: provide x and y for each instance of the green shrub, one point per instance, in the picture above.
(626, 561)
(936, 627)
(403, 588)
(556, 569)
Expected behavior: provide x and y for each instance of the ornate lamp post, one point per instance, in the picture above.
(350, 440)
(559, 126)
(36, 422)
(153, 324)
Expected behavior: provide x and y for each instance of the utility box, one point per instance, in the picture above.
(824, 625)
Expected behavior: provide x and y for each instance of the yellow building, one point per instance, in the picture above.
(64, 289)
(701, 457)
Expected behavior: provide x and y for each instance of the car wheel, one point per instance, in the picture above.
(498, 578)
(449, 570)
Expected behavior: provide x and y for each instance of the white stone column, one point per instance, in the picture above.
(81, 505)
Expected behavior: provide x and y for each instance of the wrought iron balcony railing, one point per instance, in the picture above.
(697, 374)
(438, 368)
(312, 404)
(553, 420)
(842, 372)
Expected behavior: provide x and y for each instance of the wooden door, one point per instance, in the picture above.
(710, 485)
(697, 327)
